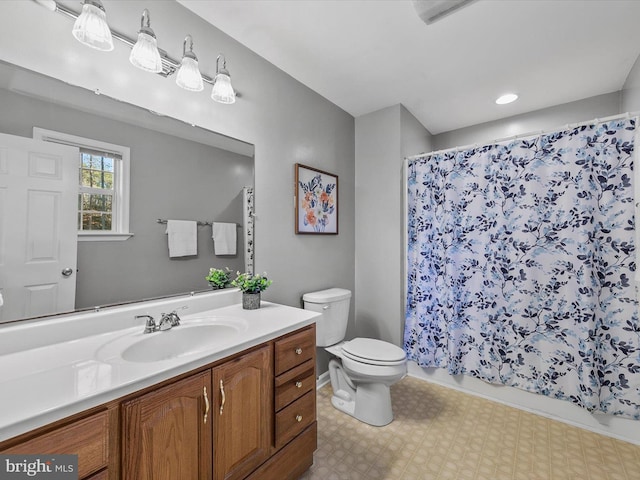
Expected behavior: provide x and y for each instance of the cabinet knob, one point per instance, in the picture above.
(298, 351)
(298, 418)
(298, 384)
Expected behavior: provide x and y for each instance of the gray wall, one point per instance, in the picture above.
(170, 178)
(414, 138)
(285, 120)
(548, 118)
(383, 139)
(631, 90)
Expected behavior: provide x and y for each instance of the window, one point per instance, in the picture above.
(103, 186)
(96, 197)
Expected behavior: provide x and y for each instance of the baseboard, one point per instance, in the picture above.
(322, 380)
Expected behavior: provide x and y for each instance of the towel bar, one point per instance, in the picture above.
(160, 220)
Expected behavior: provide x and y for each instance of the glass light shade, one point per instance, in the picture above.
(189, 76)
(222, 90)
(144, 53)
(91, 28)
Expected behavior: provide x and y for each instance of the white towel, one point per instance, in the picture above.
(183, 238)
(224, 238)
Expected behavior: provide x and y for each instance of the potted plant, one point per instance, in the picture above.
(219, 278)
(251, 286)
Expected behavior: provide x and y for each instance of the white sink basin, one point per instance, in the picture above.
(196, 336)
(178, 342)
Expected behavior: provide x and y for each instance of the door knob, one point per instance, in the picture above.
(67, 272)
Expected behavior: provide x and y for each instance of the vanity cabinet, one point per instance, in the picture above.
(250, 416)
(242, 414)
(295, 435)
(295, 385)
(87, 436)
(166, 433)
(191, 428)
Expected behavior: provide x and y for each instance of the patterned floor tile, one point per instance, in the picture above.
(439, 433)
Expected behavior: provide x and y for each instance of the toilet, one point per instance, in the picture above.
(364, 369)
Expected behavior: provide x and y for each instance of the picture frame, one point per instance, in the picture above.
(316, 201)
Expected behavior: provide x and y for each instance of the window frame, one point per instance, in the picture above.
(121, 184)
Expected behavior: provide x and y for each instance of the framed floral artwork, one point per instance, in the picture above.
(316, 201)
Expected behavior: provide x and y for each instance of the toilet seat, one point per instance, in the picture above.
(374, 352)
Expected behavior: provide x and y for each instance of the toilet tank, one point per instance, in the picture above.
(333, 303)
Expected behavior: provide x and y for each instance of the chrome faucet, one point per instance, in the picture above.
(168, 321)
(150, 326)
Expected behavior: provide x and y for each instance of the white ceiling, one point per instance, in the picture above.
(364, 55)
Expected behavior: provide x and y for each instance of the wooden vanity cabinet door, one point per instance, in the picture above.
(88, 438)
(165, 435)
(242, 414)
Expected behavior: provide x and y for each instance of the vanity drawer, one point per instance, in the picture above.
(101, 475)
(88, 438)
(292, 420)
(295, 349)
(293, 384)
(290, 462)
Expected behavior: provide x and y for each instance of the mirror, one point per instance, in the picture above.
(177, 171)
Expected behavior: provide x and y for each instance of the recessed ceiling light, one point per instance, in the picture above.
(507, 98)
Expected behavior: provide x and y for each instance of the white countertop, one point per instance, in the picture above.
(49, 382)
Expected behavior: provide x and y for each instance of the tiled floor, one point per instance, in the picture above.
(440, 433)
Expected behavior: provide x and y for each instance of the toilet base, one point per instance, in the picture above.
(368, 402)
(346, 406)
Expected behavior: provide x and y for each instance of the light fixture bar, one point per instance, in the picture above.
(169, 65)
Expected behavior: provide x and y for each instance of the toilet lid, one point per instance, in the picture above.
(370, 350)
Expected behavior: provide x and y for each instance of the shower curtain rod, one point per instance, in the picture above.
(528, 134)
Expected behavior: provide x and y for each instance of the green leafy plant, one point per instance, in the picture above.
(251, 283)
(219, 278)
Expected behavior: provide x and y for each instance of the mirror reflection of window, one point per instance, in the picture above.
(103, 185)
(97, 196)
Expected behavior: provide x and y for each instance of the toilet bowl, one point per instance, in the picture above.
(364, 368)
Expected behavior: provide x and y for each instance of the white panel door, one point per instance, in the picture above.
(38, 227)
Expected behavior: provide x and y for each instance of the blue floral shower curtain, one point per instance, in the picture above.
(521, 265)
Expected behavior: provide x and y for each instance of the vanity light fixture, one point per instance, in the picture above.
(506, 98)
(189, 76)
(91, 29)
(222, 90)
(144, 53)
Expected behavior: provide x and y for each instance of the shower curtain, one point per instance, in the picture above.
(521, 265)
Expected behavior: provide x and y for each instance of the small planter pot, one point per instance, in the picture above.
(250, 301)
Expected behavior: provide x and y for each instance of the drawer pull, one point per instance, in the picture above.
(224, 398)
(298, 418)
(206, 404)
(298, 351)
(298, 384)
